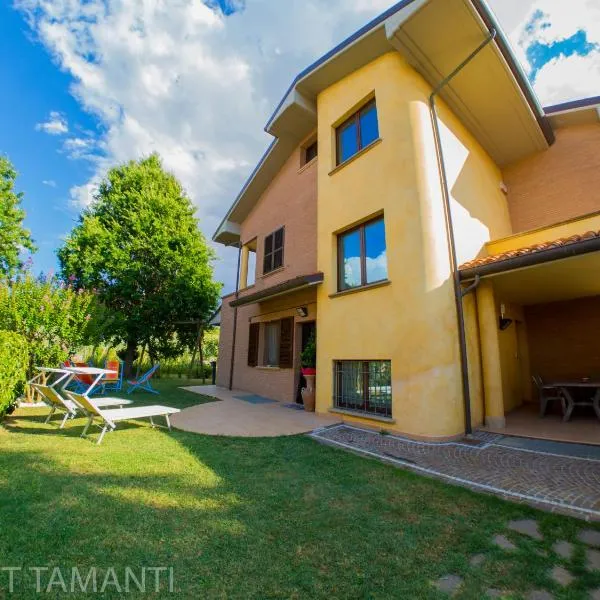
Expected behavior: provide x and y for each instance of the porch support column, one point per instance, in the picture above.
(244, 268)
(490, 356)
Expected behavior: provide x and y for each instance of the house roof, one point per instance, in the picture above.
(530, 255)
(582, 103)
(286, 287)
(493, 97)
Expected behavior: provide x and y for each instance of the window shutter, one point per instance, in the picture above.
(253, 344)
(286, 343)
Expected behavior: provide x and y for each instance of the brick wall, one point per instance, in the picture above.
(278, 384)
(564, 338)
(559, 184)
(289, 201)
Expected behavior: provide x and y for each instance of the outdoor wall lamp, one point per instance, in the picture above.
(503, 322)
(302, 311)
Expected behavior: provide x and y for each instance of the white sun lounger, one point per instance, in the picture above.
(55, 401)
(109, 418)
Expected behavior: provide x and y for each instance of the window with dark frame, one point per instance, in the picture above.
(363, 386)
(356, 133)
(310, 152)
(273, 258)
(278, 343)
(362, 255)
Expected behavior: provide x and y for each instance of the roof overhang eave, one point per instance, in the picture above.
(531, 259)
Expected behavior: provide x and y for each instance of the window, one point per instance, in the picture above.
(278, 343)
(363, 385)
(273, 251)
(362, 255)
(360, 130)
(271, 358)
(311, 152)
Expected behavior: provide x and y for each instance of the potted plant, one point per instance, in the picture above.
(308, 360)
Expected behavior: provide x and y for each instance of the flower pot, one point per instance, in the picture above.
(308, 371)
(308, 392)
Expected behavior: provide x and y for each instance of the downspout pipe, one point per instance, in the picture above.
(458, 291)
(235, 317)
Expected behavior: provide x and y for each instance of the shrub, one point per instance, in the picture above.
(14, 360)
(55, 319)
(308, 357)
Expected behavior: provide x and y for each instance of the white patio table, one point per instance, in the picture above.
(60, 375)
(97, 373)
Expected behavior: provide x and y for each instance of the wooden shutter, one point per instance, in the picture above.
(286, 343)
(268, 257)
(253, 344)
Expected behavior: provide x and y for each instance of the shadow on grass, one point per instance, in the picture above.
(253, 518)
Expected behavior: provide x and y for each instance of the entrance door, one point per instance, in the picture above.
(308, 329)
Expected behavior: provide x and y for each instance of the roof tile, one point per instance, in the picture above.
(533, 249)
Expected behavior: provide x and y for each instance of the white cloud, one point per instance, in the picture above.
(83, 148)
(55, 125)
(49, 182)
(563, 77)
(182, 79)
(82, 195)
(179, 78)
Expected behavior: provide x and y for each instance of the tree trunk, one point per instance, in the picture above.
(202, 355)
(130, 357)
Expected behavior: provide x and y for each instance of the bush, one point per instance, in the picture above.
(54, 319)
(14, 360)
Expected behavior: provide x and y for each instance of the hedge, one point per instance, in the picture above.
(14, 360)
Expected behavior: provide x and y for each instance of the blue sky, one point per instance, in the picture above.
(33, 86)
(120, 99)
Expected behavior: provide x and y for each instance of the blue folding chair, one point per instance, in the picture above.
(143, 383)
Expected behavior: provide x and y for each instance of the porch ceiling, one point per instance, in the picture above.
(567, 279)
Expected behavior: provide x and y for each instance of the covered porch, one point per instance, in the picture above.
(538, 318)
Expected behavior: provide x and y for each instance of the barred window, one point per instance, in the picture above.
(363, 385)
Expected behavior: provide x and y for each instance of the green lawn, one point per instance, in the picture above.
(252, 518)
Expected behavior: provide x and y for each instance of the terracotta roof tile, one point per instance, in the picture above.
(486, 260)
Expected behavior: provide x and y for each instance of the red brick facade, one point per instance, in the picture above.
(291, 202)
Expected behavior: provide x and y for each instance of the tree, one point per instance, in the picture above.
(14, 238)
(139, 246)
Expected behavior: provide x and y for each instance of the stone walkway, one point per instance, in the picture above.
(562, 573)
(254, 417)
(548, 480)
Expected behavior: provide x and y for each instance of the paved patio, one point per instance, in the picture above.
(554, 476)
(254, 417)
(549, 475)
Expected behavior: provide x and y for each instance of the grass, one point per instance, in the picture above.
(253, 518)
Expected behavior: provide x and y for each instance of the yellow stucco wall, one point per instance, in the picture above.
(412, 321)
(577, 226)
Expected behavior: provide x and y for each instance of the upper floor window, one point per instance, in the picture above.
(310, 152)
(362, 256)
(273, 258)
(360, 130)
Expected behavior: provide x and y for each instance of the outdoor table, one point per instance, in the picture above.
(98, 373)
(565, 387)
(61, 373)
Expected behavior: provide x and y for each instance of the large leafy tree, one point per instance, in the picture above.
(138, 245)
(14, 238)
